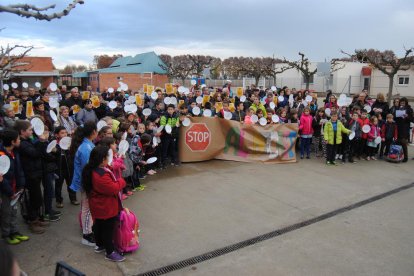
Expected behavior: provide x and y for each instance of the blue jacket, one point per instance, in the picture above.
(15, 172)
(80, 161)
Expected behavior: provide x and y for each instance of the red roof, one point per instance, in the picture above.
(35, 64)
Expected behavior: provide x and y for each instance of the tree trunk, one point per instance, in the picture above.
(257, 80)
(390, 86)
(274, 80)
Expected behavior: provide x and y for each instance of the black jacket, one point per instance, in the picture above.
(30, 158)
(15, 172)
(73, 101)
(403, 124)
(48, 159)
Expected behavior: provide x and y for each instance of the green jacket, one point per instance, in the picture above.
(261, 106)
(172, 121)
(328, 132)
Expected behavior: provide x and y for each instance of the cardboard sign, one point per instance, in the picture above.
(206, 99)
(138, 99)
(150, 88)
(239, 91)
(29, 109)
(85, 95)
(180, 102)
(15, 105)
(145, 88)
(169, 88)
(95, 101)
(219, 106)
(76, 109)
(216, 138)
(231, 107)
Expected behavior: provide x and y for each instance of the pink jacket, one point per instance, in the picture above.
(371, 133)
(248, 120)
(305, 126)
(118, 166)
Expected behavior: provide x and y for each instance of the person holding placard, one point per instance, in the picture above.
(403, 117)
(354, 124)
(66, 121)
(168, 138)
(333, 130)
(306, 131)
(33, 172)
(87, 114)
(74, 99)
(389, 134)
(40, 111)
(12, 184)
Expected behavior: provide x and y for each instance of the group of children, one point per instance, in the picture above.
(104, 174)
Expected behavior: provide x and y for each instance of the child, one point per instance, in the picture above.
(389, 133)
(355, 126)
(239, 114)
(293, 116)
(305, 129)
(333, 130)
(363, 121)
(64, 172)
(317, 125)
(103, 189)
(11, 184)
(343, 148)
(169, 139)
(372, 135)
(282, 115)
(136, 153)
(248, 118)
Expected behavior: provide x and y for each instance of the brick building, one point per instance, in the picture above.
(32, 70)
(134, 71)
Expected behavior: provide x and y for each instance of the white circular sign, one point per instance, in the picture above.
(4, 164)
(65, 142)
(181, 89)
(199, 100)
(25, 85)
(123, 147)
(367, 108)
(110, 90)
(124, 136)
(53, 87)
(155, 141)
(281, 98)
(154, 95)
(272, 105)
(100, 125)
(377, 140)
(112, 104)
(186, 91)
(186, 122)
(273, 88)
(263, 121)
(275, 118)
(193, 82)
(51, 146)
(173, 100)
(243, 98)
(207, 113)
(151, 160)
(308, 98)
(53, 102)
(196, 111)
(305, 103)
(37, 84)
(38, 126)
(328, 112)
(351, 135)
(167, 100)
(168, 129)
(366, 128)
(146, 112)
(254, 118)
(53, 115)
(342, 96)
(228, 115)
(160, 128)
(6, 86)
(14, 85)
(110, 156)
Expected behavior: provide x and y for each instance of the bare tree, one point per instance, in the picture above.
(387, 62)
(11, 62)
(72, 68)
(272, 68)
(104, 61)
(39, 13)
(216, 68)
(179, 67)
(200, 63)
(232, 67)
(337, 65)
(303, 66)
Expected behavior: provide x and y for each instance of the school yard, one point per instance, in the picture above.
(202, 207)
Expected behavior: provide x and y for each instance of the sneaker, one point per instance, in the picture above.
(337, 156)
(373, 158)
(99, 249)
(56, 213)
(42, 223)
(124, 196)
(59, 205)
(368, 158)
(88, 240)
(334, 163)
(139, 188)
(150, 172)
(74, 202)
(52, 218)
(340, 156)
(308, 157)
(352, 161)
(328, 163)
(35, 228)
(129, 193)
(142, 177)
(11, 240)
(301, 157)
(19, 236)
(115, 257)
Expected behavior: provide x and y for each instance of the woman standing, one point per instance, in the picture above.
(66, 121)
(103, 191)
(403, 117)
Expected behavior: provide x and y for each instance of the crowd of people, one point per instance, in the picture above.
(99, 175)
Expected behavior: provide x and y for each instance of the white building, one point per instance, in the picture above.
(352, 78)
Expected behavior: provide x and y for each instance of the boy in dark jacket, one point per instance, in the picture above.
(32, 168)
(354, 125)
(11, 186)
(389, 133)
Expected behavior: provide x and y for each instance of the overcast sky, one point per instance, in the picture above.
(223, 28)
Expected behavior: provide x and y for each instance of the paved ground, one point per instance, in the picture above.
(200, 207)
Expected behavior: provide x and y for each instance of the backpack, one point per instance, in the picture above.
(126, 234)
(396, 153)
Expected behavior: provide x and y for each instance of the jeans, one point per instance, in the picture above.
(48, 187)
(305, 146)
(330, 156)
(8, 216)
(103, 231)
(35, 197)
(58, 187)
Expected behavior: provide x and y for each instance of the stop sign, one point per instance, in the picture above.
(197, 137)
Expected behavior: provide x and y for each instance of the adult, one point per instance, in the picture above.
(9, 118)
(66, 121)
(89, 133)
(40, 111)
(359, 101)
(332, 102)
(74, 99)
(403, 117)
(87, 114)
(380, 106)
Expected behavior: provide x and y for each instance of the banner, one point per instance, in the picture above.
(215, 138)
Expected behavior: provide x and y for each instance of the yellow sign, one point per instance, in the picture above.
(85, 95)
(76, 109)
(15, 105)
(138, 99)
(145, 88)
(180, 102)
(206, 99)
(29, 109)
(239, 91)
(150, 89)
(231, 107)
(219, 106)
(169, 88)
(174, 90)
(95, 101)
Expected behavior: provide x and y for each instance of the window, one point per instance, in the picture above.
(403, 80)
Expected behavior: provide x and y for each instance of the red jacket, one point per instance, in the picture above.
(371, 134)
(362, 123)
(104, 199)
(305, 126)
(386, 126)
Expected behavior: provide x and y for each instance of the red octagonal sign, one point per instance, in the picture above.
(198, 137)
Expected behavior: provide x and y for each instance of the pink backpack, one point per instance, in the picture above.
(126, 232)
